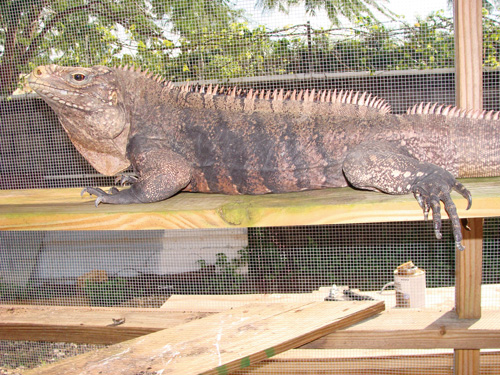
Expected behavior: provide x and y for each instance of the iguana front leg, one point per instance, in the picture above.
(388, 168)
(161, 174)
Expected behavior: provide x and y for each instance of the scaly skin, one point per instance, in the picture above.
(232, 142)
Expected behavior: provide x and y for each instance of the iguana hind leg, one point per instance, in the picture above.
(390, 169)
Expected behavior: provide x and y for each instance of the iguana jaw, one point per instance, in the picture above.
(90, 107)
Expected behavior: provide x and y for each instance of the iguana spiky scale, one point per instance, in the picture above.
(234, 141)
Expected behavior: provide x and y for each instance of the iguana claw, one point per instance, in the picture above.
(99, 193)
(98, 201)
(432, 189)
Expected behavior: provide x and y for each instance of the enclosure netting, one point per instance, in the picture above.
(404, 60)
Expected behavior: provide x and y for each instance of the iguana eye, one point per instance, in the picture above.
(78, 77)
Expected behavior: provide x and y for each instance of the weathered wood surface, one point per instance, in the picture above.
(393, 329)
(86, 325)
(222, 342)
(64, 209)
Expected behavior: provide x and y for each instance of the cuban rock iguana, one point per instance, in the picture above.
(233, 141)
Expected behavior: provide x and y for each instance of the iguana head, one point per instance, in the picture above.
(89, 104)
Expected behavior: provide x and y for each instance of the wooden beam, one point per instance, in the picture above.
(416, 329)
(220, 343)
(86, 325)
(221, 302)
(393, 329)
(64, 209)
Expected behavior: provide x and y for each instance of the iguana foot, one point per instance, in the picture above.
(114, 196)
(436, 187)
(98, 192)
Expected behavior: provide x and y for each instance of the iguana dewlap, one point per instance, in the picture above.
(225, 140)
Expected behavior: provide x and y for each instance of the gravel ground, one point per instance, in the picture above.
(18, 356)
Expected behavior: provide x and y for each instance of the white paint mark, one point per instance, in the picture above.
(217, 347)
(241, 320)
(105, 361)
(166, 350)
(217, 342)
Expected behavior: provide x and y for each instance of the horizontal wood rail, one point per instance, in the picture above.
(392, 329)
(64, 209)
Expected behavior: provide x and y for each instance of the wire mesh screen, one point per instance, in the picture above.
(143, 268)
(383, 49)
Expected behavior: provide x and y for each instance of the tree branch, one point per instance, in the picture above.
(36, 41)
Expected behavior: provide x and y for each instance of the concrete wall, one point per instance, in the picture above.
(61, 257)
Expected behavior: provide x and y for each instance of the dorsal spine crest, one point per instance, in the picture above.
(277, 100)
(452, 111)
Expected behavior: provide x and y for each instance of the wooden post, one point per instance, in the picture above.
(468, 275)
(468, 54)
(468, 272)
(469, 95)
(467, 361)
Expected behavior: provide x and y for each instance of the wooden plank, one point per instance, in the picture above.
(416, 329)
(221, 302)
(442, 298)
(345, 362)
(64, 209)
(393, 329)
(220, 343)
(86, 325)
